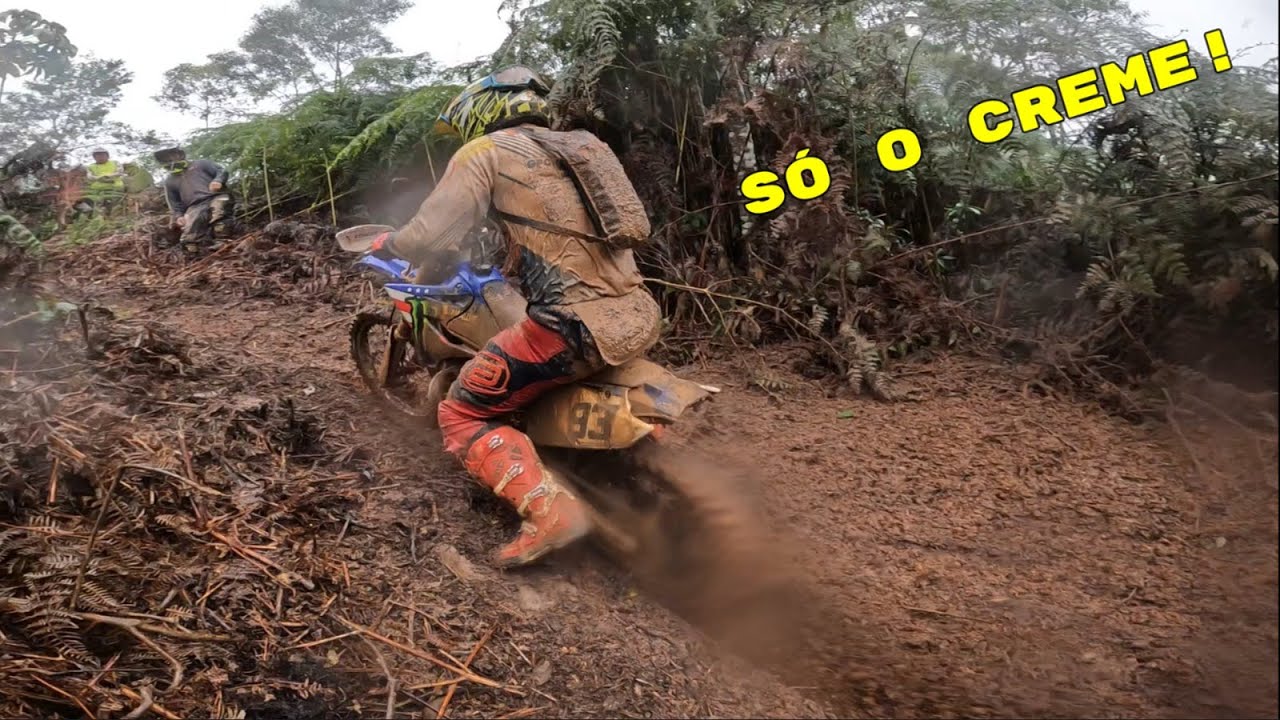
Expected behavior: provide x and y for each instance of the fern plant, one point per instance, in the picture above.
(15, 234)
(390, 138)
(344, 140)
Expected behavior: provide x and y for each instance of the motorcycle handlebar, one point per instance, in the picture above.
(439, 266)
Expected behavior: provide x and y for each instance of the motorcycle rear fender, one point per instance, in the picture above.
(613, 409)
(655, 393)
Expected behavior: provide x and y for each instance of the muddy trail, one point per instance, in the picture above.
(976, 550)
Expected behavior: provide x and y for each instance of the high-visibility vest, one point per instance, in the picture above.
(97, 179)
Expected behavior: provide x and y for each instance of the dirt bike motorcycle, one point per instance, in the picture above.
(599, 433)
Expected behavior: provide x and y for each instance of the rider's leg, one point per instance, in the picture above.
(110, 205)
(516, 366)
(221, 215)
(197, 231)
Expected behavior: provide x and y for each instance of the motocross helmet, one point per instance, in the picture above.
(511, 93)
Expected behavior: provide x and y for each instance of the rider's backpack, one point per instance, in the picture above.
(611, 201)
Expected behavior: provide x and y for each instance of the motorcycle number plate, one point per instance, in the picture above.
(586, 417)
(591, 417)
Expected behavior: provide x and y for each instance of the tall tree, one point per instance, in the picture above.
(308, 44)
(31, 45)
(211, 91)
(392, 74)
(65, 110)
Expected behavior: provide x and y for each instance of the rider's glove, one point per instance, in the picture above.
(381, 247)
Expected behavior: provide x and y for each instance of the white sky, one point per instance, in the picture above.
(451, 31)
(455, 31)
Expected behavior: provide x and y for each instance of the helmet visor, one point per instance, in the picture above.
(515, 78)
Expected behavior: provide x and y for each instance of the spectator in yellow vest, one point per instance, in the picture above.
(106, 181)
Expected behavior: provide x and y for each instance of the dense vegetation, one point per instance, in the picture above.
(201, 518)
(1097, 246)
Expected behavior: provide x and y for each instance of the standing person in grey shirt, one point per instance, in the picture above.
(197, 198)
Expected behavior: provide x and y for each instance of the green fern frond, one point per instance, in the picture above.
(409, 122)
(16, 234)
(818, 319)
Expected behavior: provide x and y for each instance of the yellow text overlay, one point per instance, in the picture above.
(1070, 96)
(806, 178)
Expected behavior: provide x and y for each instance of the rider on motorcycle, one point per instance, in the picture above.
(587, 305)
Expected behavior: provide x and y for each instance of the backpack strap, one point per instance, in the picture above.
(545, 226)
(583, 195)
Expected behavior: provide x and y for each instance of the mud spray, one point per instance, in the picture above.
(745, 582)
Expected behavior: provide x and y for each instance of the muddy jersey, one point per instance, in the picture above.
(562, 277)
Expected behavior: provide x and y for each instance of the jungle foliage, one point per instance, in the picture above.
(31, 45)
(1095, 246)
(1085, 243)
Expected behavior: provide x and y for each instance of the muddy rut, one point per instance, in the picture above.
(976, 551)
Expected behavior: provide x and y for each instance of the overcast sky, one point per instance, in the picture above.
(451, 31)
(455, 31)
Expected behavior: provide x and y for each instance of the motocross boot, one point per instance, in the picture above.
(552, 517)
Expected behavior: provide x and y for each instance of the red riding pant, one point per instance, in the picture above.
(514, 368)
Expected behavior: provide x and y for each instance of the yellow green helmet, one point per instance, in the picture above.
(512, 92)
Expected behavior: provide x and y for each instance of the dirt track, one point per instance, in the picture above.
(986, 552)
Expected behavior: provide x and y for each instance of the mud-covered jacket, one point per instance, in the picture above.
(561, 276)
(191, 186)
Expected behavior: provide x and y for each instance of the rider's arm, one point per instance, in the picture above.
(215, 172)
(219, 173)
(458, 204)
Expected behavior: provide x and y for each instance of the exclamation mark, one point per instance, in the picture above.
(1217, 50)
